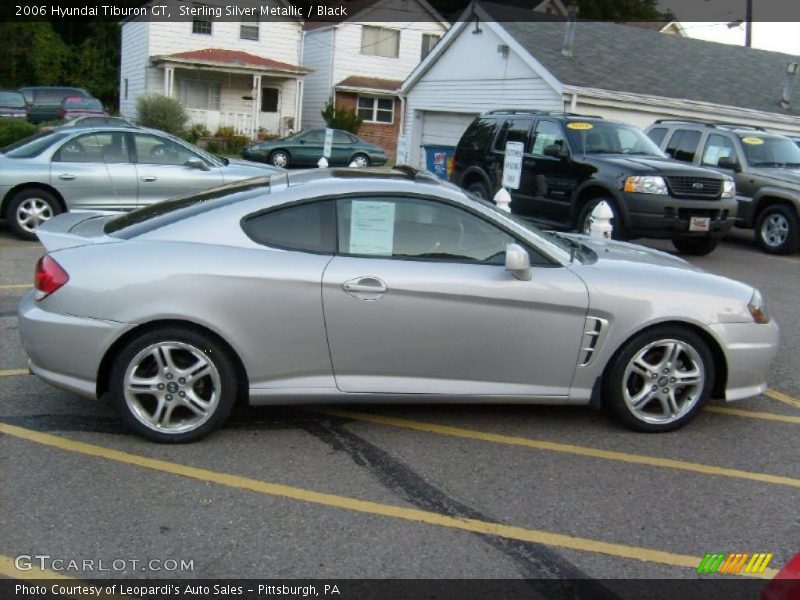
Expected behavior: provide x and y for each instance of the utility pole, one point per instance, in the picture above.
(748, 24)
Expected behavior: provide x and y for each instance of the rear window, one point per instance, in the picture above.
(12, 99)
(32, 146)
(78, 102)
(306, 227)
(478, 135)
(160, 214)
(54, 95)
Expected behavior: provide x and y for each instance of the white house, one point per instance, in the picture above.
(245, 75)
(360, 63)
(616, 71)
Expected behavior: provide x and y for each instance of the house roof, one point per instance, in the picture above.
(370, 84)
(627, 59)
(218, 57)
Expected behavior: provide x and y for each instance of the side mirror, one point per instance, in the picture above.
(518, 262)
(196, 163)
(556, 151)
(726, 162)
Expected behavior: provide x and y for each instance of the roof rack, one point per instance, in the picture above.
(547, 113)
(710, 124)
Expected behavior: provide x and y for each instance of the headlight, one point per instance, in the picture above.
(757, 308)
(729, 188)
(648, 184)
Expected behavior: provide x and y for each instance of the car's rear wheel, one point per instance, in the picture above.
(479, 189)
(660, 380)
(585, 219)
(696, 246)
(30, 208)
(778, 230)
(279, 158)
(361, 160)
(173, 385)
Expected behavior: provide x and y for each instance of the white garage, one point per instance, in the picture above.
(435, 128)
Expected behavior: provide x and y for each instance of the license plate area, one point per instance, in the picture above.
(700, 224)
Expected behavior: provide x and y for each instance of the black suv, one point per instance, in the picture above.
(573, 162)
(765, 167)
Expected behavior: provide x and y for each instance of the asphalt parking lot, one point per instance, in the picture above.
(403, 491)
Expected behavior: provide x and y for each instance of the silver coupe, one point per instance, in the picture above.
(370, 285)
(104, 168)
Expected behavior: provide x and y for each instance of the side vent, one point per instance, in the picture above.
(592, 330)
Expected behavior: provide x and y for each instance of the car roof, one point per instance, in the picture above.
(557, 114)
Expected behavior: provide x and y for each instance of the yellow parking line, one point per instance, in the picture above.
(365, 506)
(781, 397)
(639, 459)
(13, 372)
(752, 414)
(15, 286)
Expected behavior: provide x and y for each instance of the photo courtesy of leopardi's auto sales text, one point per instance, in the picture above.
(399, 299)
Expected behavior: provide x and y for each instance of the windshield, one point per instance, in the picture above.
(76, 102)
(12, 99)
(604, 137)
(32, 146)
(770, 151)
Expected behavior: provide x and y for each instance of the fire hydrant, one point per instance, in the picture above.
(601, 227)
(322, 163)
(503, 200)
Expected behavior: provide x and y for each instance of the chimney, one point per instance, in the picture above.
(569, 31)
(786, 96)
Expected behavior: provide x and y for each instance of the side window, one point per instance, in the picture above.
(340, 137)
(95, 148)
(547, 133)
(315, 136)
(657, 135)
(515, 130)
(683, 144)
(416, 229)
(154, 150)
(717, 146)
(307, 227)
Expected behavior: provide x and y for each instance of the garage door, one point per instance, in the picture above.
(441, 129)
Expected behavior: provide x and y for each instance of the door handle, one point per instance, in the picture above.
(364, 287)
(148, 178)
(66, 176)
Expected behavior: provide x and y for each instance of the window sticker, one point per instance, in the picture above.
(754, 141)
(372, 228)
(580, 126)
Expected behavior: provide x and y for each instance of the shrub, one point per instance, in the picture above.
(214, 146)
(341, 118)
(225, 132)
(161, 112)
(235, 144)
(195, 132)
(13, 130)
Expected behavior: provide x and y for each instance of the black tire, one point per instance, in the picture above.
(480, 190)
(615, 383)
(134, 408)
(778, 229)
(696, 246)
(280, 158)
(618, 231)
(30, 198)
(361, 156)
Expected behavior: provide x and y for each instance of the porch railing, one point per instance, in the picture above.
(212, 120)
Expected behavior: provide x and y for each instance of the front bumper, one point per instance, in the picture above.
(65, 350)
(660, 216)
(749, 349)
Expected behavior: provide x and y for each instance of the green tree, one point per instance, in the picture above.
(341, 118)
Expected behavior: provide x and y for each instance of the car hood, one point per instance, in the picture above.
(778, 176)
(618, 271)
(238, 168)
(655, 165)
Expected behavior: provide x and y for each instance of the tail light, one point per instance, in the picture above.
(50, 276)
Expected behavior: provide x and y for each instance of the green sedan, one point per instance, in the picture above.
(304, 149)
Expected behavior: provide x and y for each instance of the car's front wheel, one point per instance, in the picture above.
(696, 246)
(360, 160)
(30, 208)
(778, 229)
(279, 158)
(173, 384)
(479, 189)
(660, 380)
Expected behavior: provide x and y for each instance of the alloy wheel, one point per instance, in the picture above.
(32, 212)
(775, 230)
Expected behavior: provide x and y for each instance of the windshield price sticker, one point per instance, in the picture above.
(512, 165)
(755, 141)
(372, 228)
(580, 126)
(326, 150)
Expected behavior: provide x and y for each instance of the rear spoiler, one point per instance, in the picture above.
(75, 228)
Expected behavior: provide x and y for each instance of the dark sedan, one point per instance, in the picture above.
(304, 149)
(12, 104)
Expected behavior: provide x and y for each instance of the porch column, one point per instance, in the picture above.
(256, 104)
(298, 116)
(169, 80)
